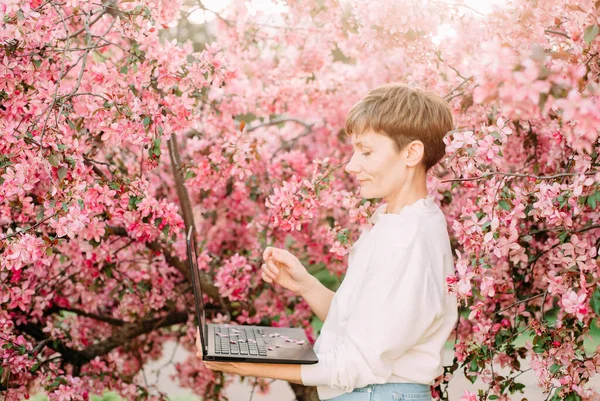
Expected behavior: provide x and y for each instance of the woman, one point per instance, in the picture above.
(385, 328)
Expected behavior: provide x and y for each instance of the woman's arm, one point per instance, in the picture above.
(318, 297)
(289, 373)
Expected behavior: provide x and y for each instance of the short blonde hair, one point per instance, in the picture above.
(404, 114)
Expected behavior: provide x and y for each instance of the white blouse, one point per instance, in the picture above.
(392, 314)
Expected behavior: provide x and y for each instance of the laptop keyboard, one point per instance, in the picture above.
(240, 341)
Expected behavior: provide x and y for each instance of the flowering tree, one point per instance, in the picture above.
(114, 141)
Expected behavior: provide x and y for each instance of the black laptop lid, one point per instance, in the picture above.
(196, 286)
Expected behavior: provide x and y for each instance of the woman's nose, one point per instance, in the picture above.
(351, 166)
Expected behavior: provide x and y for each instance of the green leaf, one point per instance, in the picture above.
(155, 149)
(98, 57)
(53, 160)
(562, 236)
(40, 214)
(62, 173)
(543, 100)
(595, 301)
(590, 33)
(493, 397)
(572, 397)
(34, 367)
(133, 202)
(504, 205)
(343, 236)
(496, 134)
(108, 271)
(147, 121)
(165, 230)
(114, 185)
(554, 368)
(591, 201)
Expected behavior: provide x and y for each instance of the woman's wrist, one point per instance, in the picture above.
(309, 285)
(291, 373)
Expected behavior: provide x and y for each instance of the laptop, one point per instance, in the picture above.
(241, 343)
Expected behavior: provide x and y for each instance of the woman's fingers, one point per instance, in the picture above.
(266, 278)
(272, 268)
(267, 253)
(268, 272)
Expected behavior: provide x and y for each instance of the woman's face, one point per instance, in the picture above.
(378, 167)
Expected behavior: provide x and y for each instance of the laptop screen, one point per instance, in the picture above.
(196, 286)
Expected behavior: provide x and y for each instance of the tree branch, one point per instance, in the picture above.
(304, 393)
(182, 194)
(101, 318)
(207, 285)
(449, 95)
(520, 302)
(132, 330)
(92, 22)
(287, 144)
(555, 32)
(127, 331)
(279, 121)
(487, 175)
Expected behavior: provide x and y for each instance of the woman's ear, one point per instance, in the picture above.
(414, 153)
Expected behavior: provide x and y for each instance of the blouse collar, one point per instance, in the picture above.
(381, 211)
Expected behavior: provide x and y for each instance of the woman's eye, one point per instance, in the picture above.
(366, 153)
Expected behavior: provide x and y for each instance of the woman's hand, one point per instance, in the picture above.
(291, 373)
(285, 269)
(236, 368)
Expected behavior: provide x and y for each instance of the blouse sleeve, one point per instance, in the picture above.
(395, 307)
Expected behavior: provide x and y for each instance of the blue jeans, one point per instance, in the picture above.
(388, 392)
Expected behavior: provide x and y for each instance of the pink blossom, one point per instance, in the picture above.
(575, 303)
(468, 396)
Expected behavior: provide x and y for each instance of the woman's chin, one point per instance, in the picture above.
(365, 193)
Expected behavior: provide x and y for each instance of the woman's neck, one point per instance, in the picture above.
(414, 189)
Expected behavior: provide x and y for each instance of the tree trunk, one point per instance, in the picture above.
(304, 393)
